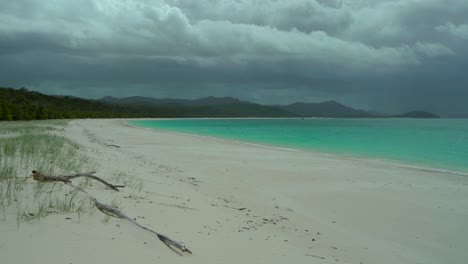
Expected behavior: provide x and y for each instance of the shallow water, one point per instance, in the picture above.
(434, 143)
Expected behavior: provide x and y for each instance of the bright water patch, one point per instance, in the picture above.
(437, 143)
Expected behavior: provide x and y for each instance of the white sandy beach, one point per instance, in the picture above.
(231, 202)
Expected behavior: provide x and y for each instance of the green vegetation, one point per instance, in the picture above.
(38, 145)
(28, 105)
(27, 146)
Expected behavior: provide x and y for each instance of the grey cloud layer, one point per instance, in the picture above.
(266, 50)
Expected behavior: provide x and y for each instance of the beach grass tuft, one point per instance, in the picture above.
(38, 145)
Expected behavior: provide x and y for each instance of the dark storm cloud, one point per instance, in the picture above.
(385, 55)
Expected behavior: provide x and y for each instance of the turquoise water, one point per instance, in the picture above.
(435, 143)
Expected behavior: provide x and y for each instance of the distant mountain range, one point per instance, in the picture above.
(22, 104)
(299, 109)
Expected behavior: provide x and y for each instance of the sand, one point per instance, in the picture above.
(232, 202)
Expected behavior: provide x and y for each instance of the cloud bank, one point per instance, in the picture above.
(384, 55)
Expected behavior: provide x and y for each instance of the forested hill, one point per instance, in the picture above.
(28, 105)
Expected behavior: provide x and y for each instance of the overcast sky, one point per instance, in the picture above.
(384, 55)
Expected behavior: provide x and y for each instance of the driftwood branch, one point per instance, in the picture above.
(109, 210)
(67, 179)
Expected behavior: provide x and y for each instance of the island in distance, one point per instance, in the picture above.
(417, 114)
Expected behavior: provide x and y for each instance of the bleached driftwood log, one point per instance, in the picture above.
(66, 179)
(109, 210)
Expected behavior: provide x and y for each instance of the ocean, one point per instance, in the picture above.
(426, 143)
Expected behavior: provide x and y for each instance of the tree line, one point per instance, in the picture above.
(22, 104)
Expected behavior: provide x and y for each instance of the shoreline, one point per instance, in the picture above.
(231, 202)
(392, 162)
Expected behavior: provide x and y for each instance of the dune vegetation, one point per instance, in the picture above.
(27, 146)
